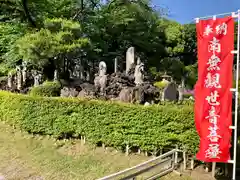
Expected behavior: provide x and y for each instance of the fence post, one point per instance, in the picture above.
(192, 163)
(184, 161)
(176, 155)
(139, 151)
(84, 139)
(127, 150)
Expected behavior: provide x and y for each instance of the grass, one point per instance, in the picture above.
(24, 156)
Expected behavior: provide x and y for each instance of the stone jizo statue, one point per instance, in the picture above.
(102, 68)
(24, 72)
(101, 80)
(19, 77)
(37, 78)
(180, 92)
(10, 80)
(56, 76)
(139, 73)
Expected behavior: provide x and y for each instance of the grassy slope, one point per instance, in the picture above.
(23, 156)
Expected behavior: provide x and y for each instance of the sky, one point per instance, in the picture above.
(184, 11)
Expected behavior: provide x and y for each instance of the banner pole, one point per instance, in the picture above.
(236, 104)
(209, 16)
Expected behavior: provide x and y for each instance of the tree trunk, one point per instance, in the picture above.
(27, 13)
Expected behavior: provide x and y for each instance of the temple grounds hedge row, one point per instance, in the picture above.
(114, 124)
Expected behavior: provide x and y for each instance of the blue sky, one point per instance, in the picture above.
(184, 11)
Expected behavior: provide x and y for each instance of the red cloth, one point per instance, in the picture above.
(212, 90)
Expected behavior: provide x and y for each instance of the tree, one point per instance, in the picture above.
(174, 42)
(191, 75)
(11, 10)
(9, 33)
(163, 45)
(116, 26)
(189, 55)
(52, 44)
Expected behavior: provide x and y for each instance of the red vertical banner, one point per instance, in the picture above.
(213, 99)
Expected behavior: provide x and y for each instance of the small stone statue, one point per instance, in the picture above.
(78, 70)
(24, 72)
(19, 78)
(81, 74)
(180, 93)
(102, 68)
(88, 75)
(101, 80)
(138, 74)
(37, 78)
(56, 76)
(10, 80)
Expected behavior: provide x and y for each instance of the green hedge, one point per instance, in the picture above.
(48, 89)
(114, 124)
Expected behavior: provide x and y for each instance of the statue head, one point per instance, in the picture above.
(18, 69)
(102, 68)
(24, 64)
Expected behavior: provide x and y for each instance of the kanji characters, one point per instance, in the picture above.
(221, 29)
(213, 151)
(213, 135)
(212, 80)
(213, 63)
(208, 30)
(213, 116)
(212, 99)
(212, 34)
(214, 46)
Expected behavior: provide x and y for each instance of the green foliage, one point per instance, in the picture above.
(4, 69)
(174, 38)
(34, 12)
(187, 95)
(48, 89)
(111, 28)
(191, 75)
(9, 33)
(114, 124)
(3, 79)
(61, 37)
(190, 44)
(160, 84)
(11, 10)
(120, 24)
(173, 66)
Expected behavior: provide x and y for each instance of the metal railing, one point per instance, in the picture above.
(161, 165)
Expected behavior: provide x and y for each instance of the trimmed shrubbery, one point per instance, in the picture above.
(48, 89)
(114, 124)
